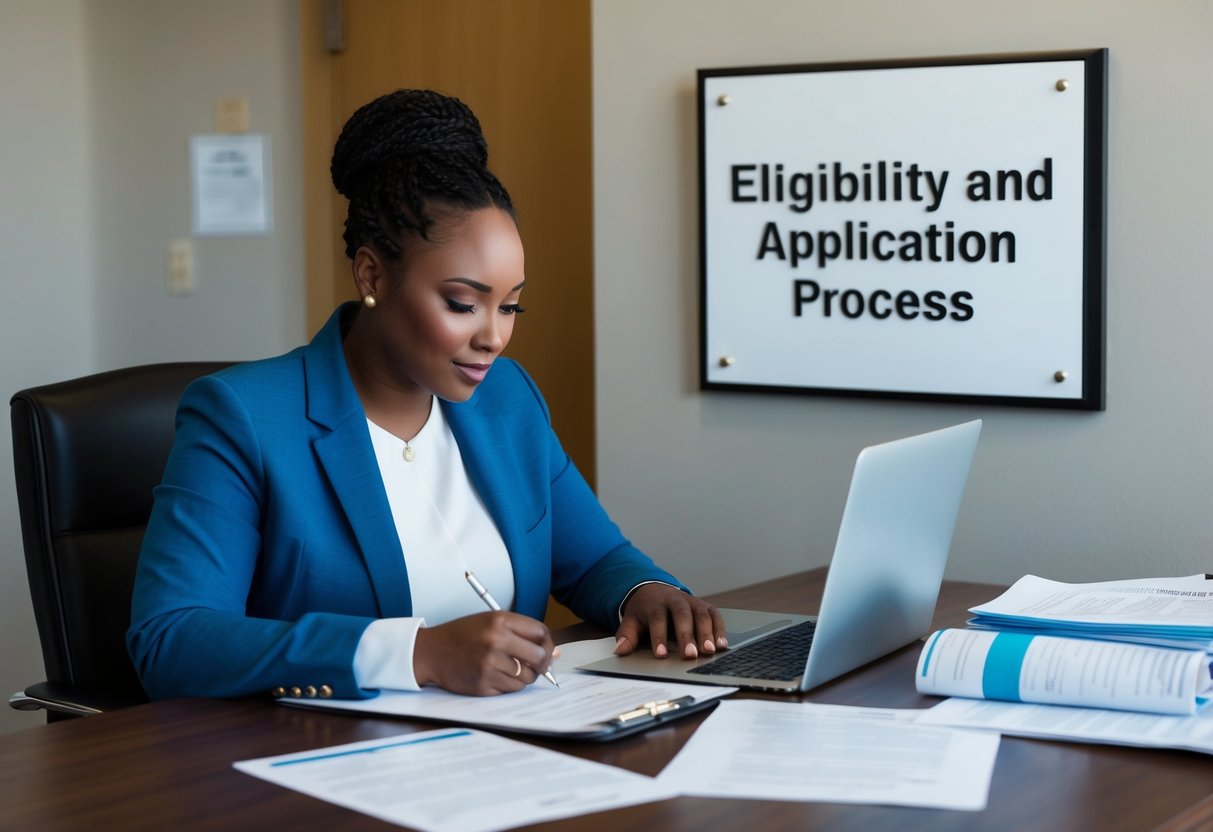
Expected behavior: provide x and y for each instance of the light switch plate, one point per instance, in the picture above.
(179, 273)
(232, 114)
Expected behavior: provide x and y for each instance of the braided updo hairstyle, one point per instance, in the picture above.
(403, 155)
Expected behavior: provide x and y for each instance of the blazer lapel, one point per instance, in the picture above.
(348, 459)
(488, 456)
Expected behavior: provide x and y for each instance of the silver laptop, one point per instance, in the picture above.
(882, 584)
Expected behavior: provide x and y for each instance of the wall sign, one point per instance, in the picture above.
(921, 229)
(230, 177)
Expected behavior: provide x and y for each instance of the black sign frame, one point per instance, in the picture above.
(1094, 239)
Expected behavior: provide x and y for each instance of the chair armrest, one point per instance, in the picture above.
(64, 699)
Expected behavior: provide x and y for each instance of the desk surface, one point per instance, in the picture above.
(167, 765)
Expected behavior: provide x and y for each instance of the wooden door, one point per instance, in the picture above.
(523, 66)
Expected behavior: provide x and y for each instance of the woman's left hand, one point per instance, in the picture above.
(670, 615)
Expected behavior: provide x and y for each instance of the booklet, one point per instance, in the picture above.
(1053, 670)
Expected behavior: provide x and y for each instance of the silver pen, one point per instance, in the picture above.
(492, 604)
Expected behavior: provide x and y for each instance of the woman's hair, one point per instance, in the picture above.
(401, 156)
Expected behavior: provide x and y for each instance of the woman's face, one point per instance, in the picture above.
(447, 311)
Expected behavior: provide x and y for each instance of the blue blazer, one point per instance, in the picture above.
(271, 545)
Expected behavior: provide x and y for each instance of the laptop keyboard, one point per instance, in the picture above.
(779, 657)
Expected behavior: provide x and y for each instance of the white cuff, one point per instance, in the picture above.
(623, 603)
(384, 658)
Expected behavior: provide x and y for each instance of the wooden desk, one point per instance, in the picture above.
(167, 765)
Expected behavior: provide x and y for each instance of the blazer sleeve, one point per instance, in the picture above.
(580, 523)
(594, 566)
(190, 634)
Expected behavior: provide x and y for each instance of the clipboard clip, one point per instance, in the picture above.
(650, 710)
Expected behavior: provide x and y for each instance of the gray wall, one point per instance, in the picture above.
(99, 99)
(47, 326)
(729, 488)
(158, 68)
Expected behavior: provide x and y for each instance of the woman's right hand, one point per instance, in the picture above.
(483, 654)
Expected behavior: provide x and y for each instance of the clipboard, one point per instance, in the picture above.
(534, 710)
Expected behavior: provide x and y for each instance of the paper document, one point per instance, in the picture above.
(835, 754)
(1019, 667)
(1175, 611)
(455, 780)
(576, 653)
(585, 705)
(1057, 722)
(230, 175)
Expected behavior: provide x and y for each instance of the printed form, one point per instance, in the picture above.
(833, 753)
(1062, 722)
(456, 780)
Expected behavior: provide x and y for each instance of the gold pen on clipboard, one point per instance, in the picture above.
(492, 604)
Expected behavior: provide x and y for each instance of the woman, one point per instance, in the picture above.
(320, 510)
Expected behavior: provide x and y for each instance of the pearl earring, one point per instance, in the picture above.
(369, 301)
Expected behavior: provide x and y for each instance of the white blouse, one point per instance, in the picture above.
(445, 530)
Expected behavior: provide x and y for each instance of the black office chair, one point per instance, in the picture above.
(87, 454)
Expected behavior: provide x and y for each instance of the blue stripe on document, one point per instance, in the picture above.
(1000, 679)
(371, 749)
(930, 650)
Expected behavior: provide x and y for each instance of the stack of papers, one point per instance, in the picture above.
(1165, 612)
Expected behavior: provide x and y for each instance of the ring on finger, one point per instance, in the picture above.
(517, 668)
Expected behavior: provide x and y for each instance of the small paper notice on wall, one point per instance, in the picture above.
(231, 184)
